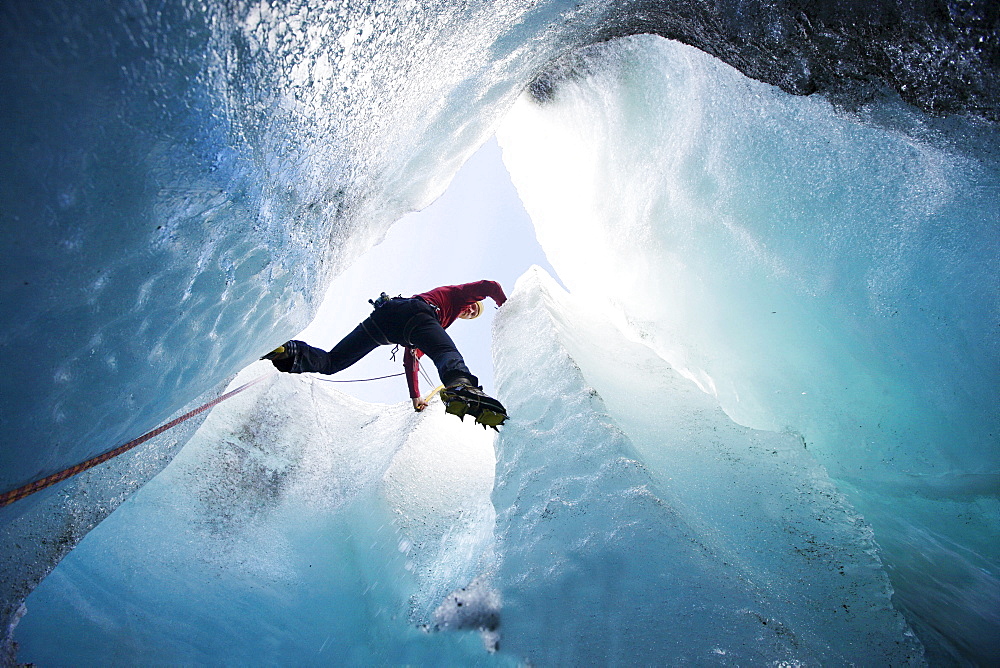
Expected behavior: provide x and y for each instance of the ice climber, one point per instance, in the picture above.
(418, 323)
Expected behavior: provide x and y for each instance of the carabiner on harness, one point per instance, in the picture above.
(381, 301)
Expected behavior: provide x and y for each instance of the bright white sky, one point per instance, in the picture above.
(477, 229)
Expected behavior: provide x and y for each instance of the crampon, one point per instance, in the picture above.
(462, 400)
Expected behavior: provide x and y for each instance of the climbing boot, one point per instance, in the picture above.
(280, 353)
(283, 357)
(462, 398)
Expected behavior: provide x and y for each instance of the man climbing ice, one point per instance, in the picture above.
(418, 323)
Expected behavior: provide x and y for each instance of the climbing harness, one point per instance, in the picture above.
(26, 490)
(384, 341)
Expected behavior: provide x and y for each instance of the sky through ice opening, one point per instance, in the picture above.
(477, 229)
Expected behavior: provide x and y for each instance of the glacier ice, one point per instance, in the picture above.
(635, 523)
(825, 274)
(299, 525)
(181, 172)
(182, 179)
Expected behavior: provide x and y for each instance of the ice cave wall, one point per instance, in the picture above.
(191, 174)
(634, 523)
(638, 524)
(298, 526)
(181, 179)
(835, 276)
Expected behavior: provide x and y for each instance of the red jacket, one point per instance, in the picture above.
(449, 300)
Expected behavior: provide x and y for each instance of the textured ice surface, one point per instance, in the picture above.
(637, 523)
(181, 178)
(180, 182)
(176, 173)
(188, 176)
(829, 275)
(298, 526)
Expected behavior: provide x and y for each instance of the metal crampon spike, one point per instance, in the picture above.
(456, 407)
(491, 418)
(482, 409)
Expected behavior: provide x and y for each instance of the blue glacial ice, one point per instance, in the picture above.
(638, 524)
(182, 180)
(818, 273)
(298, 526)
(635, 523)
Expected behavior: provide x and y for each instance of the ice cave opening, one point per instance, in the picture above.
(753, 396)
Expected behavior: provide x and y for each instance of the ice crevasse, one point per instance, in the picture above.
(814, 286)
(356, 534)
(825, 274)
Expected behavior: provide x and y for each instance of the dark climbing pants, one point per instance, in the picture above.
(407, 322)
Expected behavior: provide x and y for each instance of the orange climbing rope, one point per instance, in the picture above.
(26, 490)
(13, 495)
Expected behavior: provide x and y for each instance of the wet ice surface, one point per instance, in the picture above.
(181, 181)
(820, 273)
(299, 525)
(634, 522)
(638, 523)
